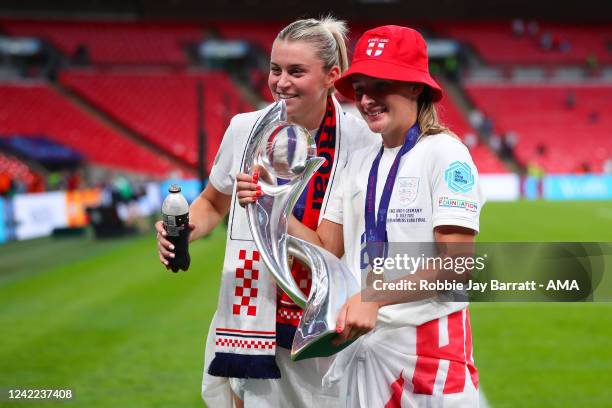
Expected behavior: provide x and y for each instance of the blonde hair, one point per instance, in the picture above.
(427, 115)
(326, 34)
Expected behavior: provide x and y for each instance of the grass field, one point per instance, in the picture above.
(107, 321)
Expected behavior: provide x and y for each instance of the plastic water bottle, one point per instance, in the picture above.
(175, 215)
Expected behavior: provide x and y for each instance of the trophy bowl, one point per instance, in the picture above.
(288, 149)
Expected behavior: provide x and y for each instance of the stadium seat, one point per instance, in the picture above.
(37, 109)
(161, 106)
(17, 170)
(114, 42)
(568, 139)
(486, 161)
(495, 43)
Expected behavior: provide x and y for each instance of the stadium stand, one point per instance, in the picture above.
(114, 42)
(14, 169)
(496, 42)
(563, 128)
(37, 109)
(486, 161)
(261, 34)
(161, 106)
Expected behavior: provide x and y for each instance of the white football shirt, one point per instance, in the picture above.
(436, 184)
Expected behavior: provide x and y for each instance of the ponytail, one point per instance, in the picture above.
(326, 34)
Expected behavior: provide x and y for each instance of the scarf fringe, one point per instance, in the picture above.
(243, 366)
(284, 335)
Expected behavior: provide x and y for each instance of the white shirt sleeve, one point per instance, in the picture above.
(333, 212)
(221, 174)
(456, 195)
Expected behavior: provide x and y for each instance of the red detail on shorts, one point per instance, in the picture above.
(429, 356)
(468, 350)
(397, 389)
(455, 377)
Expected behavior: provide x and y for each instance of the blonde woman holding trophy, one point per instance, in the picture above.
(254, 325)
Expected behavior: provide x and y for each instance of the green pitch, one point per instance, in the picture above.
(105, 320)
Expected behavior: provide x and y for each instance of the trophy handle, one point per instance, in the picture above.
(276, 114)
(332, 285)
(268, 221)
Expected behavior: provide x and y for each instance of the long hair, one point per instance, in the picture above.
(427, 116)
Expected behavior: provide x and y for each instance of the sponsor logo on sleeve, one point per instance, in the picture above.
(446, 202)
(459, 177)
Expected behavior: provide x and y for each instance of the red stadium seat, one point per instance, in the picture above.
(16, 170)
(161, 106)
(574, 139)
(486, 161)
(36, 109)
(115, 42)
(495, 42)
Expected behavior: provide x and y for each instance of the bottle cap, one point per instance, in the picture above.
(174, 188)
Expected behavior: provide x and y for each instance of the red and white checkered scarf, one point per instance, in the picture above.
(245, 324)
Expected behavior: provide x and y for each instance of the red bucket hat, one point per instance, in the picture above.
(390, 52)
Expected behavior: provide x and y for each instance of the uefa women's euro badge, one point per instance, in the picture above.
(285, 155)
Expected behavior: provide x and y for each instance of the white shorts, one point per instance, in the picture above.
(300, 384)
(426, 366)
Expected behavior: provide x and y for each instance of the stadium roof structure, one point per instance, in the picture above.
(582, 10)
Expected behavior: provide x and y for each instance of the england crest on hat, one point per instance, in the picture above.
(376, 46)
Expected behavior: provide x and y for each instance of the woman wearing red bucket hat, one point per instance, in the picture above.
(420, 186)
(412, 346)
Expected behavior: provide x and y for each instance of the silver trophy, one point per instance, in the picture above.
(285, 155)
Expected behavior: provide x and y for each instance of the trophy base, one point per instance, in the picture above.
(321, 347)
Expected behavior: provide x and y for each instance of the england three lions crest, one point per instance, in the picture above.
(407, 189)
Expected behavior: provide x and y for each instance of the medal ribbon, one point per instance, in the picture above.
(376, 222)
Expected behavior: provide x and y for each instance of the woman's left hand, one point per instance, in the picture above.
(355, 319)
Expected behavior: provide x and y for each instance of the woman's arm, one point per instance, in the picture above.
(205, 213)
(328, 235)
(357, 317)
